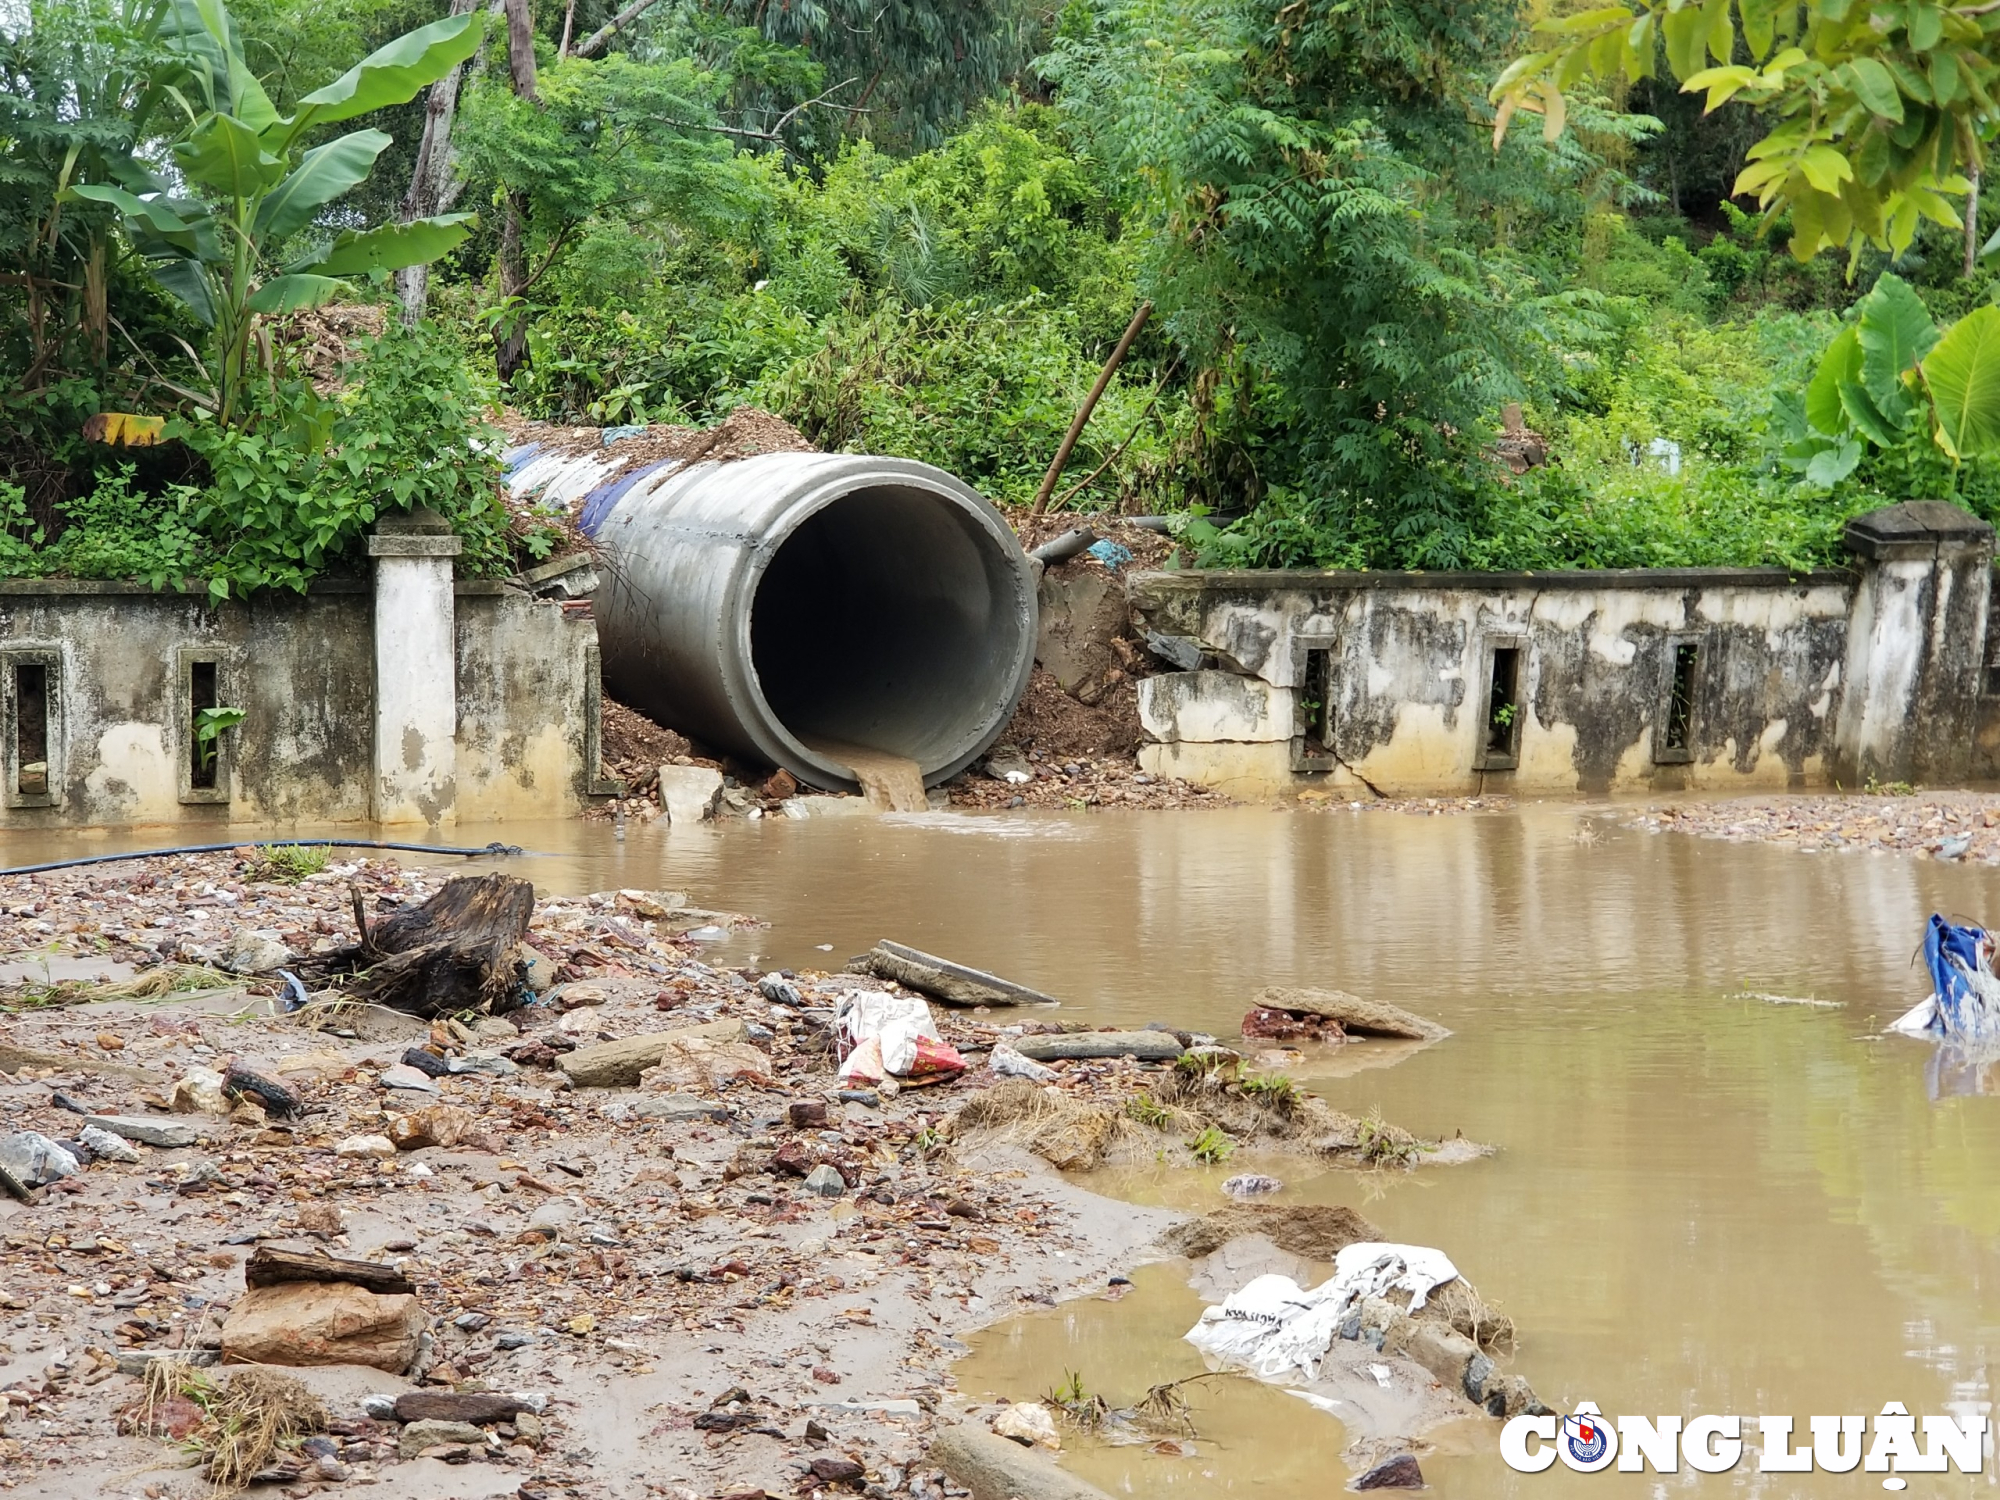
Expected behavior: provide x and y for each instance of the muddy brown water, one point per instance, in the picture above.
(1705, 1199)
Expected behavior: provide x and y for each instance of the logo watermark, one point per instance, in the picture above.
(1587, 1441)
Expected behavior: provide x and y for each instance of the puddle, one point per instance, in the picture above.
(55, 970)
(1704, 1201)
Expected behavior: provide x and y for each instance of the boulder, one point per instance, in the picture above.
(1357, 1017)
(199, 1092)
(993, 1468)
(323, 1323)
(443, 1125)
(250, 952)
(33, 1160)
(611, 1065)
(1398, 1473)
(1029, 1424)
(1147, 1046)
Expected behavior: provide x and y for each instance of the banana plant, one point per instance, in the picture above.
(1892, 379)
(243, 189)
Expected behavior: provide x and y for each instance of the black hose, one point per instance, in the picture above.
(495, 848)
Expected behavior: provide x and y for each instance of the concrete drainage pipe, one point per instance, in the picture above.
(799, 607)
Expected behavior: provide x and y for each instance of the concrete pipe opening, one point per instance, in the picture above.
(818, 611)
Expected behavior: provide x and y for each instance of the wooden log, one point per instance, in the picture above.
(458, 951)
(270, 1266)
(940, 978)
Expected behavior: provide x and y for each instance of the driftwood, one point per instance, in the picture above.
(459, 951)
(940, 978)
(477, 1407)
(270, 1266)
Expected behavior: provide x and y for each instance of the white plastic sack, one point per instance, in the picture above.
(1275, 1329)
(895, 1022)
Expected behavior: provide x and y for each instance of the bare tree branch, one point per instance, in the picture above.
(597, 39)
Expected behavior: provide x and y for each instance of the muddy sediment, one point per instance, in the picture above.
(1954, 826)
(694, 1311)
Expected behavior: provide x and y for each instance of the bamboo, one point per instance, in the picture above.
(1089, 405)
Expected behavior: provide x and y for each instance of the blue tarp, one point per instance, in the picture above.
(1962, 982)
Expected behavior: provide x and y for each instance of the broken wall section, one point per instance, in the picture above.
(1665, 680)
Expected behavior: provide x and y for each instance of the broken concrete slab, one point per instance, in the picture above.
(618, 1064)
(418, 1436)
(690, 794)
(1357, 1017)
(33, 1160)
(169, 1135)
(1147, 1046)
(942, 979)
(994, 1468)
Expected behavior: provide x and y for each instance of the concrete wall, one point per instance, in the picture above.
(1386, 681)
(118, 661)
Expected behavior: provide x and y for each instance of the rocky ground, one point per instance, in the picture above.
(706, 1268)
(1962, 826)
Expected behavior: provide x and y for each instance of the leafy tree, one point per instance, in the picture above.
(1878, 111)
(260, 190)
(1347, 270)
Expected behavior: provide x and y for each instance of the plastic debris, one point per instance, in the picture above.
(1279, 1331)
(1965, 999)
(1114, 555)
(881, 1034)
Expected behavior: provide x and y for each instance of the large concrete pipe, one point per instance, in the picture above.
(798, 607)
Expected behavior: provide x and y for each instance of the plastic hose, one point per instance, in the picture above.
(494, 848)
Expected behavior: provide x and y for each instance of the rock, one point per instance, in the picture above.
(1285, 1026)
(479, 1407)
(366, 1145)
(418, 1436)
(555, 1215)
(1442, 1350)
(199, 1092)
(781, 991)
(168, 1135)
(139, 1361)
(1029, 1424)
(993, 1468)
(426, 1062)
(105, 1146)
(1357, 1017)
(440, 1125)
(541, 969)
(1006, 763)
(323, 1323)
(1251, 1185)
(836, 1470)
(807, 1114)
(251, 952)
(619, 1064)
(379, 1407)
(34, 1160)
(1147, 1046)
(269, 1095)
(403, 1076)
(1398, 1473)
(577, 996)
(513, 1338)
(677, 1107)
(825, 1181)
(1009, 1063)
(689, 793)
(704, 1062)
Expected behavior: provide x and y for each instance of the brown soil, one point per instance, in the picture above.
(743, 433)
(1149, 548)
(1062, 729)
(635, 747)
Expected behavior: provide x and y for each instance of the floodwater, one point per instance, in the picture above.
(1705, 1199)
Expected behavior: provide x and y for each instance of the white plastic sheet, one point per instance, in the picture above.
(1278, 1330)
(893, 1022)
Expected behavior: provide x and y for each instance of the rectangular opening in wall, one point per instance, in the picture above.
(1503, 710)
(1677, 733)
(203, 757)
(31, 729)
(1316, 702)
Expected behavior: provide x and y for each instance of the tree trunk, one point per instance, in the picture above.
(1972, 220)
(431, 180)
(510, 334)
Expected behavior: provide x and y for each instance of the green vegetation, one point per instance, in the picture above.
(1212, 1147)
(1737, 285)
(287, 864)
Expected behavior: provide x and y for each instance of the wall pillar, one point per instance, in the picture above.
(416, 650)
(1916, 644)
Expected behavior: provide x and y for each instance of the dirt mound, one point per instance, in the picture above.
(1059, 726)
(1318, 1231)
(745, 432)
(1071, 1134)
(632, 742)
(1149, 549)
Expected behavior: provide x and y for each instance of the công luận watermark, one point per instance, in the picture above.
(1588, 1442)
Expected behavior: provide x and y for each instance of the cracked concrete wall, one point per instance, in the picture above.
(119, 734)
(1408, 677)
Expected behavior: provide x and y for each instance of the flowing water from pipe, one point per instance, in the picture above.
(1705, 1199)
(889, 782)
